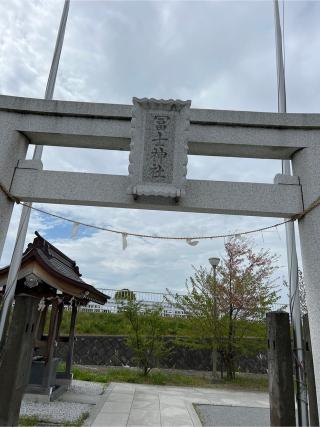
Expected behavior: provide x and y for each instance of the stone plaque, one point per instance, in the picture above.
(159, 146)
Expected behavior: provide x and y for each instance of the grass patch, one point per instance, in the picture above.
(116, 324)
(251, 382)
(28, 421)
(34, 421)
(162, 377)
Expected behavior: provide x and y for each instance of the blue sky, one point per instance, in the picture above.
(221, 55)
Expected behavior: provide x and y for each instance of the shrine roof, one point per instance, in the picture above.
(59, 265)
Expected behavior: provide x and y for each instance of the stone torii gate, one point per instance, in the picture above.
(175, 131)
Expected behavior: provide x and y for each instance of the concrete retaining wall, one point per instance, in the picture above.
(111, 350)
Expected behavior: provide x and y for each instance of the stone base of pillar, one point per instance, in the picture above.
(280, 370)
(16, 358)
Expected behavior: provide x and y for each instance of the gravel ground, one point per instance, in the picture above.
(60, 411)
(55, 412)
(236, 416)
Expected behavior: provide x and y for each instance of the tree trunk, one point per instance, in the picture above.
(221, 364)
(230, 353)
(214, 363)
(229, 366)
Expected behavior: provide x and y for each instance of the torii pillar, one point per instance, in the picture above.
(13, 147)
(306, 165)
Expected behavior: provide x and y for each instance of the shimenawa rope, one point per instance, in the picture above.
(189, 239)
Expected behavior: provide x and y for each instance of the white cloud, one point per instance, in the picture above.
(219, 54)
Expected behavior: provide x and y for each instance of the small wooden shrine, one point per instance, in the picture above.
(48, 283)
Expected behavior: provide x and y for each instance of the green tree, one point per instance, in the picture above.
(145, 332)
(199, 305)
(225, 312)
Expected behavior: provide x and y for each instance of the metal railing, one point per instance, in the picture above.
(150, 299)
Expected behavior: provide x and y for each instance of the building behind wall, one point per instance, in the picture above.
(149, 299)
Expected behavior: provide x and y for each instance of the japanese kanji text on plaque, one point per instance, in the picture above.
(159, 146)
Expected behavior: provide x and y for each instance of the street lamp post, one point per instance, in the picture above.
(214, 264)
(214, 261)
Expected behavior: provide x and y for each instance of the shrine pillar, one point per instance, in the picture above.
(69, 359)
(16, 359)
(13, 147)
(306, 166)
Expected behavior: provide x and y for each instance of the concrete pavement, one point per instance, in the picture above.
(165, 406)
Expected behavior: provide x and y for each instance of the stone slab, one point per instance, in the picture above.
(156, 411)
(147, 404)
(77, 398)
(151, 396)
(120, 397)
(111, 419)
(173, 415)
(144, 417)
(117, 406)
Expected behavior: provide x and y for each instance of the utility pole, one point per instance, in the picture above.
(25, 215)
(214, 264)
(301, 390)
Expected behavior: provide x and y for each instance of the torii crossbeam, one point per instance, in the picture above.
(296, 137)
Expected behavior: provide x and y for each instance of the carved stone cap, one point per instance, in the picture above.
(159, 146)
(161, 104)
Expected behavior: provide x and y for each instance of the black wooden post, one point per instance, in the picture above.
(59, 320)
(47, 377)
(42, 322)
(69, 359)
(16, 359)
(280, 370)
(312, 394)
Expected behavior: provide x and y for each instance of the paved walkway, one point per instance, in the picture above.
(144, 405)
